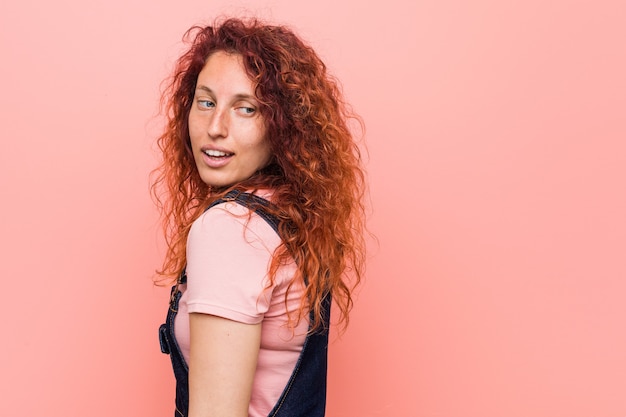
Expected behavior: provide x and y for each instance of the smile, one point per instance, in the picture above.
(216, 154)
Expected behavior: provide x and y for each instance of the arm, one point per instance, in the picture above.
(226, 309)
(222, 364)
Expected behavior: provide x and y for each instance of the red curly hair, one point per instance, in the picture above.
(316, 172)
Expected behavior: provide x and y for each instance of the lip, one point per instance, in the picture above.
(215, 162)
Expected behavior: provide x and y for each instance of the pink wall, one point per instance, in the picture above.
(497, 164)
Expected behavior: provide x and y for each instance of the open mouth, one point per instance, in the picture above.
(216, 154)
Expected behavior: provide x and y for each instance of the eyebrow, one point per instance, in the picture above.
(240, 96)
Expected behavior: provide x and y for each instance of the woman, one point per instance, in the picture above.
(260, 188)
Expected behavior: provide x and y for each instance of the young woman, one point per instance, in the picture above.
(260, 189)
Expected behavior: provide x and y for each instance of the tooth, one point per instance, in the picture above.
(212, 152)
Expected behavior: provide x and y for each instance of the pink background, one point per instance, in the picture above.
(497, 166)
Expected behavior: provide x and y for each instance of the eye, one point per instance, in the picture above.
(246, 110)
(205, 104)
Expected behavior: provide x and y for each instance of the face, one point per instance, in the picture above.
(226, 128)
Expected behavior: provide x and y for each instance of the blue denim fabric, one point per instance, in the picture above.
(305, 393)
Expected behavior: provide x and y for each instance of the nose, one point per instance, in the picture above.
(218, 124)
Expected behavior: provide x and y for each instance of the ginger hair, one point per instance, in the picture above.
(315, 175)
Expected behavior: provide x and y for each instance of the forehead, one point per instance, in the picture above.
(223, 70)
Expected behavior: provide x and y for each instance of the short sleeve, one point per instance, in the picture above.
(228, 256)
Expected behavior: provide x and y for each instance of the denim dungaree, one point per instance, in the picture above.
(305, 393)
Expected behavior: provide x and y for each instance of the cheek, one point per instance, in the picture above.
(263, 149)
(193, 128)
(267, 151)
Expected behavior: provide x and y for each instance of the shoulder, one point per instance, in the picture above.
(230, 224)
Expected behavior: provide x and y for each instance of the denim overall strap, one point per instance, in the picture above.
(305, 393)
(169, 345)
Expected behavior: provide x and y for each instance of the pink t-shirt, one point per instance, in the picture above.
(227, 273)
